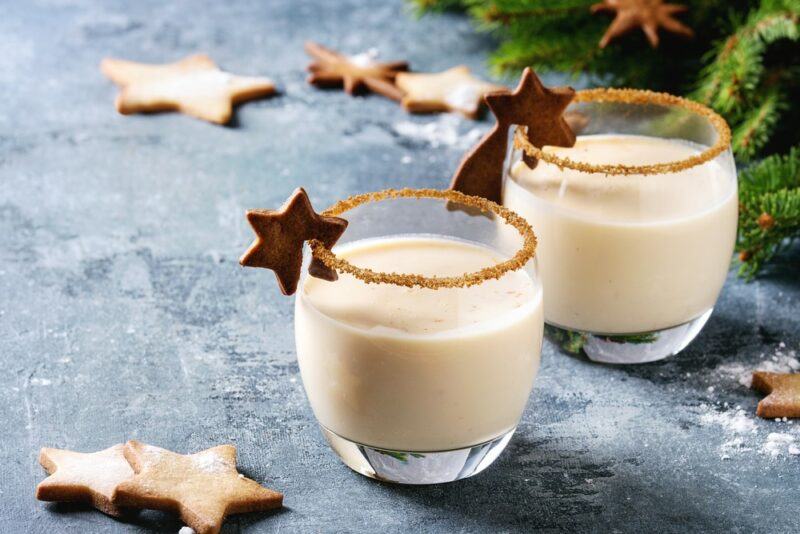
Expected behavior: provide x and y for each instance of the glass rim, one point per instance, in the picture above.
(635, 97)
(369, 276)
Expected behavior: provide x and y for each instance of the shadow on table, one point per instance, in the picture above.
(536, 484)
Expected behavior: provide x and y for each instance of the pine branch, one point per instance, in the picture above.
(733, 81)
(753, 128)
(769, 210)
(504, 12)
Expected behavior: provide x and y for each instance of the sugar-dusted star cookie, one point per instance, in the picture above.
(194, 86)
(84, 477)
(649, 15)
(203, 487)
(280, 235)
(357, 74)
(531, 104)
(455, 89)
(782, 392)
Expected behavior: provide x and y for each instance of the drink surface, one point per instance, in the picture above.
(392, 309)
(628, 199)
(628, 254)
(411, 369)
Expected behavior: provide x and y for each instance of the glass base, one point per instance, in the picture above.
(404, 467)
(632, 348)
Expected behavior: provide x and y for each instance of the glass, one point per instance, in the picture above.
(418, 385)
(634, 254)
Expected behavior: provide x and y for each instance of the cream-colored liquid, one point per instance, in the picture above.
(419, 369)
(628, 254)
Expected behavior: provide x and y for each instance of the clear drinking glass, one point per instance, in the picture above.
(636, 222)
(413, 384)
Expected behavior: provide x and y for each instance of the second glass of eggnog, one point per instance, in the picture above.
(418, 360)
(636, 222)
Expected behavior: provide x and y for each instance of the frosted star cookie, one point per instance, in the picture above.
(194, 86)
(84, 477)
(783, 394)
(203, 487)
(455, 89)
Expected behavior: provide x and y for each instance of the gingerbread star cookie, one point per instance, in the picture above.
(84, 477)
(455, 89)
(649, 15)
(540, 109)
(357, 74)
(783, 394)
(203, 487)
(280, 235)
(194, 86)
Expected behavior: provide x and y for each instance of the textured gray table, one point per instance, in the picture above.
(123, 313)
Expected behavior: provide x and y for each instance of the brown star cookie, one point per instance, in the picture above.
(357, 74)
(194, 86)
(782, 392)
(280, 237)
(203, 487)
(455, 89)
(649, 15)
(84, 477)
(532, 105)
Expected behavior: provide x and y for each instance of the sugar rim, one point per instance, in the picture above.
(522, 256)
(636, 96)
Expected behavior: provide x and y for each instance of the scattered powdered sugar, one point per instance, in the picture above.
(742, 430)
(364, 59)
(781, 361)
(445, 131)
(41, 381)
(734, 422)
(777, 443)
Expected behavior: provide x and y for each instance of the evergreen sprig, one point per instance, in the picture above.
(769, 209)
(737, 80)
(744, 62)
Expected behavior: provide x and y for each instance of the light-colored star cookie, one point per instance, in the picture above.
(203, 487)
(84, 477)
(194, 86)
(455, 89)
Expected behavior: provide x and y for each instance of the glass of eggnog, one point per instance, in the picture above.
(418, 360)
(636, 222)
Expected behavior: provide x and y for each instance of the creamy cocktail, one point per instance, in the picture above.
(628, 254)
(636, 222)
(418, 356)
(416, 369)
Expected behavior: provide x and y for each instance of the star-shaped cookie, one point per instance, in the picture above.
(357, 74)
(649, 15)
(280, 235)
(455, 89)
(783, 394)
(194, 86)
(203, 487)
(84, 477)
(540, 109)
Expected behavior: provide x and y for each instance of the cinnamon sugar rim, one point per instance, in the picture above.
(636, 96)
(522, 256)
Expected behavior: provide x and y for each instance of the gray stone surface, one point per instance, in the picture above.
(123, 312)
